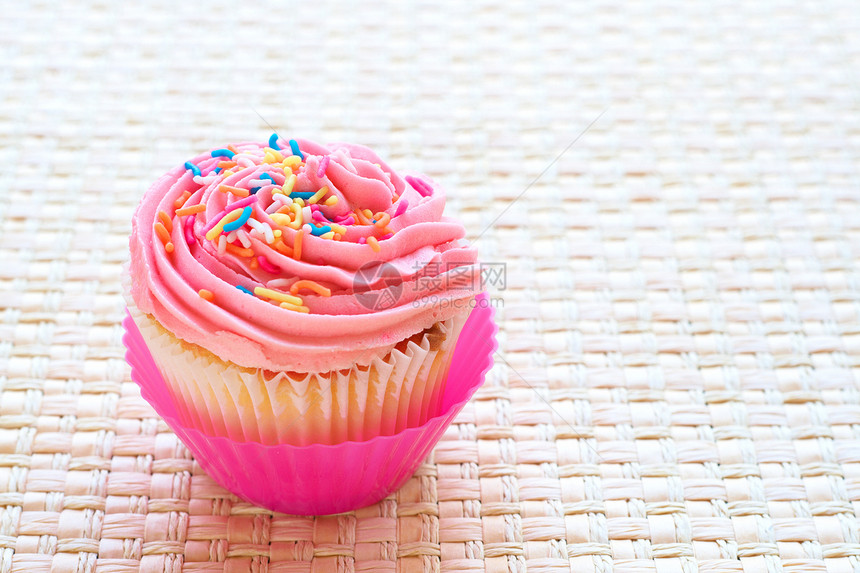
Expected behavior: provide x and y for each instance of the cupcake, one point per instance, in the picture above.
(297, 293)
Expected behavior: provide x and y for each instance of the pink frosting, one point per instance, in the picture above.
(424, 270)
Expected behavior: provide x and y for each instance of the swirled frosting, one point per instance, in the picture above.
(297, 256)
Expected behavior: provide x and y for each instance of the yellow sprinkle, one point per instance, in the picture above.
(226, 174)
(297, 308)
(278, 233)
(338, 228)
(331, 200)
(318, 195)
(368, 213)
(297, 223)
(275, 153)
(219, 228)
(289, 184)
(292, 160)
(329, 235)
(299, 201)
(278, 296)
(374, 244)
(282, 220)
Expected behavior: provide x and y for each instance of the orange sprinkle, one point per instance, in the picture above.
(364, 220)
(233, 149)
(165, 220)
(254, 264)
(168, 247)
(233, 249)
(382, 219)
(162, 233)
(226, 164)
(338, 236)
(310, 285)
(282, 248)
(295, 307)
(297, 245)
(242, 193)
(190, 210)
(374, 244)
(367, 213)
(206, 294)
(181, 201)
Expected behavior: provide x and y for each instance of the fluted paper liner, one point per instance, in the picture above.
(318, 479)
(246, 404)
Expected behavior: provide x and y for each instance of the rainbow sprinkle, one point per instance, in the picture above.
(267, 266)
(323, 166)
(194, 169)
(238, 223)
(423, 188)
(294, 147)
(258, 229)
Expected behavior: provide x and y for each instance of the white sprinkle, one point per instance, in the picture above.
(222, 244)
(270, 235)
(200, 180)
(242, 235)
(263, 229)
(282, 199)
(244, 161)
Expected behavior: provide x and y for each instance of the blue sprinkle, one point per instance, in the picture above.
(273, 142)
(223, 153)
(294, 146)
(303, 194)
(243, 289)
(243, 218)
(194, 169)
(314, 230)
(217, 170)
(267, 176)
(254, 190)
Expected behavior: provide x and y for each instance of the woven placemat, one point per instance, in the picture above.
(677, 383)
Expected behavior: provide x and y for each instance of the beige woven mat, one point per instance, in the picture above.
(677, 388)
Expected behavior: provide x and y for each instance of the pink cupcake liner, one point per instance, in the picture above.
(320, 479)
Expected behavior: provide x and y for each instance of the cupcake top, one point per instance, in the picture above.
(291, 255)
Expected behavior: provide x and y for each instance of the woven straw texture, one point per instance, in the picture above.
(677, 383)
